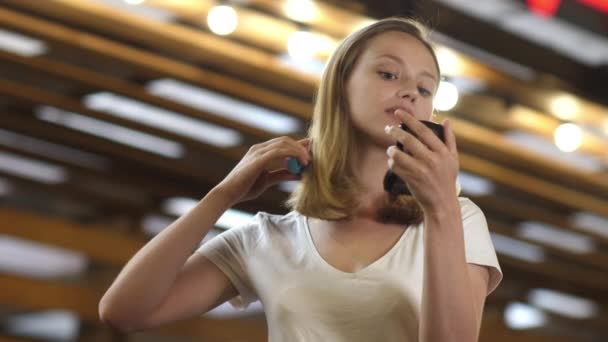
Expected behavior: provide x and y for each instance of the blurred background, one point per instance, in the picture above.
(116, 116)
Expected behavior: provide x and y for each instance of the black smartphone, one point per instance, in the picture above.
(392, 183)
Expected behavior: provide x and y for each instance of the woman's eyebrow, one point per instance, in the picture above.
(400, 61)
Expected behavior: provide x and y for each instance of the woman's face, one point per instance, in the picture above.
(395, 70)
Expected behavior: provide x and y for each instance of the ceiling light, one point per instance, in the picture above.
(446, 97)
(224, 106)
(32, 169)
(590, 222)
(289, 186)
(555, 236)
(134, 2)
(564, 107)
(532, 142)
(119, 134)
(300, 10)
(568, 137)
(21, 45)
(302, 45)
(563, 304)
(449, 61)
(313, 67)
(37, 260)
(222, 20)
(55, 151)
(226, 310)
(179, 206)
(475, 185)
(517, 249)
(160, 118)
(522, 316)
(51, 325)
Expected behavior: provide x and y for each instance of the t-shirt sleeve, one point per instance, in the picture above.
(479, 248)
(230, 252)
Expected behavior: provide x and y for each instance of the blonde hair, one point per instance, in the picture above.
(328, 189)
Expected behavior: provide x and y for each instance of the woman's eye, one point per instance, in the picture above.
(424, 91)
(387, 75)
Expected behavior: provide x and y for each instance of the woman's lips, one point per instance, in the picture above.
(392, 110)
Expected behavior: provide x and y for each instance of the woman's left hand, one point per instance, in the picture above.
(427, 165)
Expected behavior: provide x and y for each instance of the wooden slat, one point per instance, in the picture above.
(533, 185)
(181, 41)
(94, 79)
(154, 64)
(525, 212)
(41, 97)
(41, 295)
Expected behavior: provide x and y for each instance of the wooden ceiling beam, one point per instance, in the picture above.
(183, 42)
(102, 82)
(524, 212)
(154, 65)
(44, 295)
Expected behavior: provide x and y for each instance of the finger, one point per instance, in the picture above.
(410, 143)
(450, 137)
(423, 133)
(401, 163)
(296, 149)
(277, 156)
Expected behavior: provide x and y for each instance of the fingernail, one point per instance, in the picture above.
(387, 128)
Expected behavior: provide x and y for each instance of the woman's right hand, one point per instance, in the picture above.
(263, 166)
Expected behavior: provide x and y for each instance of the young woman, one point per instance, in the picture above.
(349, 262)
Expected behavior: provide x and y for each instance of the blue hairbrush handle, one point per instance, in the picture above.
(294, 166)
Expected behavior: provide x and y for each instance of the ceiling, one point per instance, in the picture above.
(114, 118)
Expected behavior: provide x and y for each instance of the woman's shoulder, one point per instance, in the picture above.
(278, 224)
(468, 208)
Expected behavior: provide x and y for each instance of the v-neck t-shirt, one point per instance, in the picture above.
(273, 259)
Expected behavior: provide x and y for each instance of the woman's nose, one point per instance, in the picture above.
(408, 93)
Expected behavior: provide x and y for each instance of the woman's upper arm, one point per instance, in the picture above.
(480, 277)
(199, 287)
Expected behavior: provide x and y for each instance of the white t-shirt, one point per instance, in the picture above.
(274, 259)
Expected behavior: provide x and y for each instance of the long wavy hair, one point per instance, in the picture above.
(329, 189)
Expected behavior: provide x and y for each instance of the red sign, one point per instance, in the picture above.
(548, 8)
(545, 8)
(599, 5)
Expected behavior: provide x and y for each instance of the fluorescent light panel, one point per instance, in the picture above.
(563, 304)
(225, 106)
(140, 10)
(517, 248)
(53, 325)
(59, 152)
(36, 170)
(289, 186)
(179, 206)
(226, 310)
(475, 185)
(149, 115)
(555, 236)
(118, 134)
(591, 223)
(312, 66)
(534, 143)
(38, 260)
(521, 316)
(20, 44)
(552, 32)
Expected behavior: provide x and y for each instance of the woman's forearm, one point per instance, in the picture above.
(448, 311)
(147, 277)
